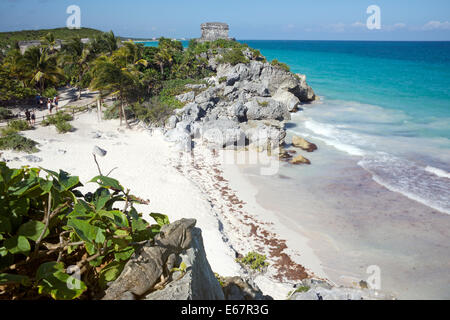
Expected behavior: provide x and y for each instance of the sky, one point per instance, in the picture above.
(248, 19)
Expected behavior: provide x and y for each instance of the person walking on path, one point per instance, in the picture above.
(55, 101)
(33, 118)
(28, 116)
(49, 106)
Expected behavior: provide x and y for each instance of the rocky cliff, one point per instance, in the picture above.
(243, 105)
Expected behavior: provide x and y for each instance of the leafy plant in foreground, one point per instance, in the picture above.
(49, 230)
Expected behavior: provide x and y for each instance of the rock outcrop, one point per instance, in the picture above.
(151, 263)
(245, 104)
(198, 283)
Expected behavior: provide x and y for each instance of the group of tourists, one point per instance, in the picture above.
(50, 103)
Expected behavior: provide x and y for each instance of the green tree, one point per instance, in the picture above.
(78, 55)
(41, 68)
(110, 77)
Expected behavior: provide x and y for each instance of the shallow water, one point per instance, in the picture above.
(354, 222)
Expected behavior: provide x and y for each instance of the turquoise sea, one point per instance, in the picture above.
(387, 103)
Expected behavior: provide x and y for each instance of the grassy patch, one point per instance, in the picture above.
(280, 65)
(16, 142)
(233, 57)
(254, 260)
(60, 120)
(5, 114)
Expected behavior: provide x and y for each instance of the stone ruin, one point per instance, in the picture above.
(212, 31)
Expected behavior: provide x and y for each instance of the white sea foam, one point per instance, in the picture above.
(406, 177)
(439, 172)
(333, 136)
(369, 132)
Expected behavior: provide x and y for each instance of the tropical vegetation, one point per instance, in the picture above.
(57, 242)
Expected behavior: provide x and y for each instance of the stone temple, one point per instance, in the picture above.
(212, 31)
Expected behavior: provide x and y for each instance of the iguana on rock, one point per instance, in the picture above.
(148, 264)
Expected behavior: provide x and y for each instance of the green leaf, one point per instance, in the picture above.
(108, 183)
(111, 272)
(101, 197)
(17, 244)
(86, 231)
(160, 219)
(116, 216)
(32, 230)
(6, 278)
(139, 224)
(124, 254)
(5, 225)
(46, 185)
(20, 206)
(59, 285)
(67, 181)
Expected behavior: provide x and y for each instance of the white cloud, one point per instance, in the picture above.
(437, 25)
(358, 24)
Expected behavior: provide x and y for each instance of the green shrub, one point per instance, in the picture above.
(19, 125)
(50, 92)
(233, 57)
(16, 142)
(7, 131)
(47, 225)
(222, 79)
(153, 111)
(5, 114)
(60, 121)
(254, 260)
(280, 65)
(63, 126)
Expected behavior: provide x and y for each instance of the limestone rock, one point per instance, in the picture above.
(261, 108)
(236, 288)
(199, 282)
(31, 158)
(145, 268)
(299, 159)
(303, 144)
(99, 151)
(186, 97)
(288, 99)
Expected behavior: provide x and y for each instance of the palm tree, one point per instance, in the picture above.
(41, 68)
(13, 64)
(78, 54)
(49, 43)
(111, 78)
(162, 58)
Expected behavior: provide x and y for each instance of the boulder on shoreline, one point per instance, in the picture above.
(299, 159)
(303, 144)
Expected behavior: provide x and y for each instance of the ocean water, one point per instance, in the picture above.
(386, 103)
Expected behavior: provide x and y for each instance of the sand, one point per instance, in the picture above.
(180, 185)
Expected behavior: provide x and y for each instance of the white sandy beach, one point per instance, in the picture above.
(181, 187)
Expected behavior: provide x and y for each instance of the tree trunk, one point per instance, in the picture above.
(125, 116)
(162, 69)
(120, 115)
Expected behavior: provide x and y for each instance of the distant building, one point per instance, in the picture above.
(25, 45)
(212, 31)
